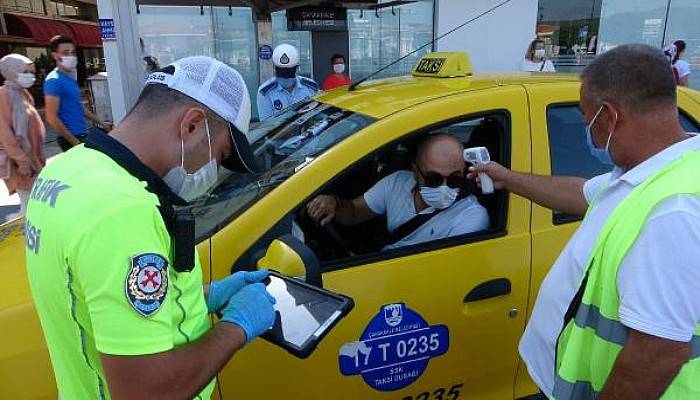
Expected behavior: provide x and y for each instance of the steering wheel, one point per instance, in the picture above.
(332, 231)
(328, 234)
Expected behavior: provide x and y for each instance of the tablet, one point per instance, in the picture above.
(304, 314)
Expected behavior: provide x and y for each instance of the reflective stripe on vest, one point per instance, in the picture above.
(613, 331)
(591, 342)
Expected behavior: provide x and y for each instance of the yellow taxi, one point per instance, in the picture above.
(438, 320)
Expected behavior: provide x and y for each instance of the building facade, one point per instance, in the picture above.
(26, 26)
(577, 30)
(495, 33)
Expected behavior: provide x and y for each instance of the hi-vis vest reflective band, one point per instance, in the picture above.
(592, 340)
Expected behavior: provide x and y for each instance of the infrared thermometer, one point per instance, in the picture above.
(480, 156)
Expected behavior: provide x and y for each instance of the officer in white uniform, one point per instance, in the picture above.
(286, 87)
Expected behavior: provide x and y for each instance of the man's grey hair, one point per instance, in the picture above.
(637, 76)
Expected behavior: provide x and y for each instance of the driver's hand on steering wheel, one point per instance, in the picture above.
(322, 209)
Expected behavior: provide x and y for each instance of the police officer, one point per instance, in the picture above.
(618, 316)
(115, 277)
(286, 87)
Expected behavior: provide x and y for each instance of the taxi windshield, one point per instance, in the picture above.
(283, 145)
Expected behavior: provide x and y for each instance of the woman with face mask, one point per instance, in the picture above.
(338, 77)
(21, 129)
(536, 58)
(680, 66)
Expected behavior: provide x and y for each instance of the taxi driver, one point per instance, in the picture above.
(409, 198)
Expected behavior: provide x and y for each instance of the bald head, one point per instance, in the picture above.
(440, 153)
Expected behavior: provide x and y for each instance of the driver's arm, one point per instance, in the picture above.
(324, 209)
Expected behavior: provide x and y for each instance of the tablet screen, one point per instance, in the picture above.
(303, 314)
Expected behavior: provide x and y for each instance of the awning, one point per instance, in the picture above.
(41, 30)
(85, 35)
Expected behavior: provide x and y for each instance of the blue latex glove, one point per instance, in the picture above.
(221, 291)
(251, 309)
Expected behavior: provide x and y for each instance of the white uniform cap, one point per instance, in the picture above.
(285, 56)
(218, 87)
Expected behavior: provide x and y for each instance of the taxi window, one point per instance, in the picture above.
(688, 124)
(343, 246)
(282, 145)
(569, 153)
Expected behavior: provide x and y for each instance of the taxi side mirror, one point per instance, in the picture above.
(290, 256)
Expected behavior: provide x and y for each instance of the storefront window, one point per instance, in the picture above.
(235, 44)
(570, 31)
(379, 37)
(657, 23)
(299, 39)
(33, 6)
(632, 21)
(170, 33)
(64, 10)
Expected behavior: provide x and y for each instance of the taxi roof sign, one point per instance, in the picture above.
(443, 64)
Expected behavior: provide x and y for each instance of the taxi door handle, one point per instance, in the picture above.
(486, 290)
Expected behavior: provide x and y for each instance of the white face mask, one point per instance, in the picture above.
(69, 62)
(338, 68)
(540, 53)
(191, 186)
(439, 197)
(26, 79)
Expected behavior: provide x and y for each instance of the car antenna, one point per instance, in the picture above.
(354, 85)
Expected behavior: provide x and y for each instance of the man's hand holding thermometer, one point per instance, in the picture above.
(479, 157)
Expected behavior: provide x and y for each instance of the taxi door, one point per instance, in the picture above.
(440, 322)
(550, 231)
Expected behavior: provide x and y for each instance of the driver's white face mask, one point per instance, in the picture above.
(191, 186)
(440, 197)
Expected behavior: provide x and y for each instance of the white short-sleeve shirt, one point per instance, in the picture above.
(682, 67)
(658, 279)
(393, 196)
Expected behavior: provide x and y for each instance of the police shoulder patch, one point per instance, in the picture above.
(267, 87)
(310, 83)
(147, 283)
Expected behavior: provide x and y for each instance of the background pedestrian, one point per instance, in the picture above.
(337, 77)
(21, 129)
(681, 67)
(536, 58)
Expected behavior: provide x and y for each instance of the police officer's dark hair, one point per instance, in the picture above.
(636, 76)
(59, 40)
(156, 99)
(337, 56)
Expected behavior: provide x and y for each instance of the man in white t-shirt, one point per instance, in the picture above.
(633, 124)
(432, 186)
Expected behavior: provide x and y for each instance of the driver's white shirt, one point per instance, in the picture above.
(393, 196)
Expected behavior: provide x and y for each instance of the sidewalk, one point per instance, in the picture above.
(10, 204)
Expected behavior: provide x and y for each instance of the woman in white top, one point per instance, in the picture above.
(682, 68)
(535, 58)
